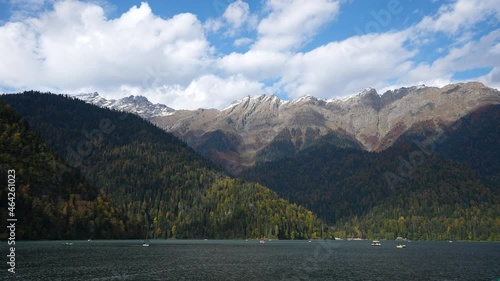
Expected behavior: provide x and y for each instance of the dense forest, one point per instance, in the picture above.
(52, 199)
(149, 181)
(429, 185)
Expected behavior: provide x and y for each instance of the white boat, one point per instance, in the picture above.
(146, 241)
(262, 241)
(376, 243)
(400, 246)
(68, 243)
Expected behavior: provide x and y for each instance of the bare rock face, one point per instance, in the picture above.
(265, 128)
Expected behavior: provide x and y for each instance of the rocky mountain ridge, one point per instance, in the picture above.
(261, 128)
(139, 105)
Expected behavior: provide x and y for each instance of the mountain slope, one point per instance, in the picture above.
(405, 190)
(52, 200)
(134, 104)
(265, 128)
(477, 137)
(156, 179)
(366, 121)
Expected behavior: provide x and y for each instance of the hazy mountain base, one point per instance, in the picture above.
(151, 178)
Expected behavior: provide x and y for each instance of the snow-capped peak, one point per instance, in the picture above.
(139, 105)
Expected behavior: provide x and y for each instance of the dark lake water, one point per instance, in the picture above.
(249, 260)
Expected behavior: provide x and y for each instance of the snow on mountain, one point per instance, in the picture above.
(139, 105)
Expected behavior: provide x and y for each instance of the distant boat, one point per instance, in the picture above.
(376, 243)
(450, 241)
(146, 241)
(400, 246)
(262, 241)
(68, 243)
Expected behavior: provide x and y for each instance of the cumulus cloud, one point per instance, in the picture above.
(207, 91)
(342, 68)
(255, 64)
(291, 23)
(236, 16)
(75, 44)
(71, 46)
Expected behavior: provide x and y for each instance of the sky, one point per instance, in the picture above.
(205, 54)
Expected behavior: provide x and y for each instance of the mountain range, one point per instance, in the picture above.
(85, 171)
(418, 162)
(265, 128)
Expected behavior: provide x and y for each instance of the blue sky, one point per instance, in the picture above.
(190, 54)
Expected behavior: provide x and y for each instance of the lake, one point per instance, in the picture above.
(249, 260)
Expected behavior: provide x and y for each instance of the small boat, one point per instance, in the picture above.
(400, 246)
(262, 241)
(68, 243)
(146, 241)
(376, 243)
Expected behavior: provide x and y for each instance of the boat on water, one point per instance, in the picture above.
(146, 241)
(376, 243)
(68, 243)
(400, 246)
(262, 241)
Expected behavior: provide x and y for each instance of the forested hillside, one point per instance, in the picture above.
(52, 200)
(445, 189)
(156, 181)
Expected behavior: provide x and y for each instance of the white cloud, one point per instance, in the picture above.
(474, 54)
(208, 91)
(291, 23)
(462, 14)
(258, 65)
(244, 41)
(236, 17)
(75, 46)
(492, 79)
(342, 68)
(22, 9)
